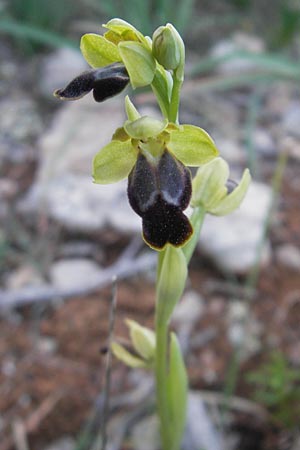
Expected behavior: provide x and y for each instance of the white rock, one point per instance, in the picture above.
(230, 150)
(289, 256)
(145, 434)
(189, 309)
(74, 272)
(64, 186)
(264, 143)
(79, 130)
(59, 68)
(291, 119)
(232, 241)
(239, 42)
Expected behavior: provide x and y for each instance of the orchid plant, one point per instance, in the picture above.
(155, 156)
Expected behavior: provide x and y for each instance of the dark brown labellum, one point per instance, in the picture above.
(159, 193)
(105, 82)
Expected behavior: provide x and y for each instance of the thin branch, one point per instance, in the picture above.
(121, 269)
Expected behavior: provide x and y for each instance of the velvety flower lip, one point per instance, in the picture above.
(159, 194)
(105, 82)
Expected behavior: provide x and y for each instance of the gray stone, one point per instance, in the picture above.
(237, 43)
(74, 273)
(232, 241)
(289, 256)
(263, 142)
(200, 429)
(230, 150)
(64, 188)
(189, 309)
(58, 68)
(145, 434)
(64, 443)
(291, 119)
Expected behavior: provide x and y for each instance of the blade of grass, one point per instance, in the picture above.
(41, 36)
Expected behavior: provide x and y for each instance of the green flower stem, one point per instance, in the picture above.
(196, 219)
(170, 440)
(175, 99)
(160, 97)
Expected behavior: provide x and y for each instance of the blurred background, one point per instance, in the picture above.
(62, 238)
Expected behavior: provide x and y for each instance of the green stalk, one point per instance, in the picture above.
(175, 99)
(169, 438)
(197, 219)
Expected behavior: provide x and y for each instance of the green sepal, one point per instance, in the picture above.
(98, 51)
(171, 283)
(139, 63)
(114, 162)
(209, 184)
(192, 145)
(145, 127)
(177, 388)
(120, 135)
(126, 357)
(131, 111)
(233, 200)
(124, 30)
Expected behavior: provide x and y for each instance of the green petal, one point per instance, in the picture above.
(145, 127)
(98, 51)
(114, 162)
(209, 184)
(139, 63)
(192, 145)
(233, 200)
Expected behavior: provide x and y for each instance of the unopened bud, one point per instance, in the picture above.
(168, 47)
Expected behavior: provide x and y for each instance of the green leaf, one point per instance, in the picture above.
(114, 162)
(170, 286)
(98, 51)
(139, 63)
(177, 386)
(192, 145)
(235, 198)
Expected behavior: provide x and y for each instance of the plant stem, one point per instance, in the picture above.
(197, 219)
(175, 99)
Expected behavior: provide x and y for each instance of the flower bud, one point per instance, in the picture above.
(168, 47)
(213, 191)
(143, 340)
